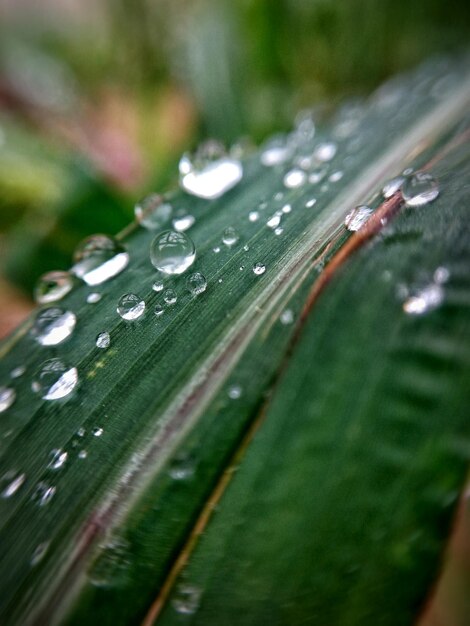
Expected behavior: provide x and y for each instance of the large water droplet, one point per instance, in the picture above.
(53, 325)
(259, 268)
(130, 307)
(153, 211)
(55, 380)
(10, 483)
(103, 340)
(392, 186)
(172, 252)
(52, 286)
(230, 236)
(357, 217)
(424, 300)
(196, 283)
(186, 599)
(98, 258)
(7, 397)
(419, 189)
(210, 172)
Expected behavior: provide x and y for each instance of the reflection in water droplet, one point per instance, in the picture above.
(186, 599)
(43, 494)
(210, 172)
(153, 211)
(357, 217)
(55, 380)
(130, 307)
(7, 397)
(392, 186)
(196, 283)
(230, 236)
(98, 258)
(183, 223)
(294, 178)
(103, 340)
(234, 392)
(287, 317)
(59, 457)
(10, 483)
(419, 189)
(93, 298)
(52, 286)
(172, 252)
(325, 151)
(52, 326)
(424, 300)
(259, 268)
(39, 553)
(169, 296)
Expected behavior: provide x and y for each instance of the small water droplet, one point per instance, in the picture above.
(253, 216)
(97, 431)
(274, 220)
(317, 176)
(336, 176)
(7, 398)
(43, 494)
(17, 372)
(216, 249)
(186, 599)
(59, 457)
(55, 380)
(424, 300)
(325, 151)
(52, 326)
(52, 286)
(278, 231)
(294, 178)
(357, 217)
(304, 126)
(287, 317)
(172, 252)
(210, 172)
(259, 268)
(93, 298)
(392, 186)
(170, 297)
(230, 236)
(287, 208)
(130, 307)
(159, 310)
(196, 283)
(419, 189)
(441, 275)
(39, 553)
(310, 203)
(246, 247)
(182, 467)
(10, 483)
(153, 211)
(99, 258)
(278, 196)
(275, 151)
(184, 222)
(82, 454)
(103, 340)
(234, 392)
(158, 285)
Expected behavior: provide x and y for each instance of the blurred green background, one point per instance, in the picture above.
(99, 99)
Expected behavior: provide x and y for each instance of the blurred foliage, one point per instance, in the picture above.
(126, 85)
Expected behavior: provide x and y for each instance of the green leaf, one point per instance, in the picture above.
(362, 445)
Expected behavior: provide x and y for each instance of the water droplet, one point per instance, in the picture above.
(310, 203)
(196, 283)
(93, 298)
(103, 340)
(10, 483)
(186, 599)
(98, 258)
(97, 431)
(43, 494)
(357, 217)
(182, 467)
(172, 252)
(159, 310)
(52, 286)
(216, 249)
(82, 454)
(294, 178)
(287, 208)
(304, 126)
(392, 186)
(153, 211)
(234, 392)
(183, 223)
(278, 231)
(325, 151)
(7, 397)
(39, 553)
(246, 247)
(259, 268)
(274, 220)
(52, 326)
(18, 371)
(230, 236)
(441, 275)
(419, 189)
(424, 300)
(278, 196)
(210, 172)
(130, 307)
(253, 216)
(316, 176)
(59, 457)
(158, 286)
(55, 380)
(170, 297)
(287, 317)
(111, 568)
(275, 151)
(336, 176)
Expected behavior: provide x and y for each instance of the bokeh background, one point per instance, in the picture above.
(98, 99)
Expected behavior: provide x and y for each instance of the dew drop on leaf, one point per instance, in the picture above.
(275, 151)
(419, 189)
(55, 380)
(186, 599)
(392, 186)
(357, 217)
(172, 252)
(99, 258)
(58, 459)
(159, 310)
(130, 307)
(103, 340)
(17, 372)
(170, 297)
(7, 398)
(259, 268)
(10, 483)
(230, 236)
(52, 286)
(234, 392)
(286, 317)
(294, 178)
(196, 283)
(43, 494)
(183, 222)
(325, 151)
(424, 300)
(153, 211)
(93, 298)
(53, 326)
